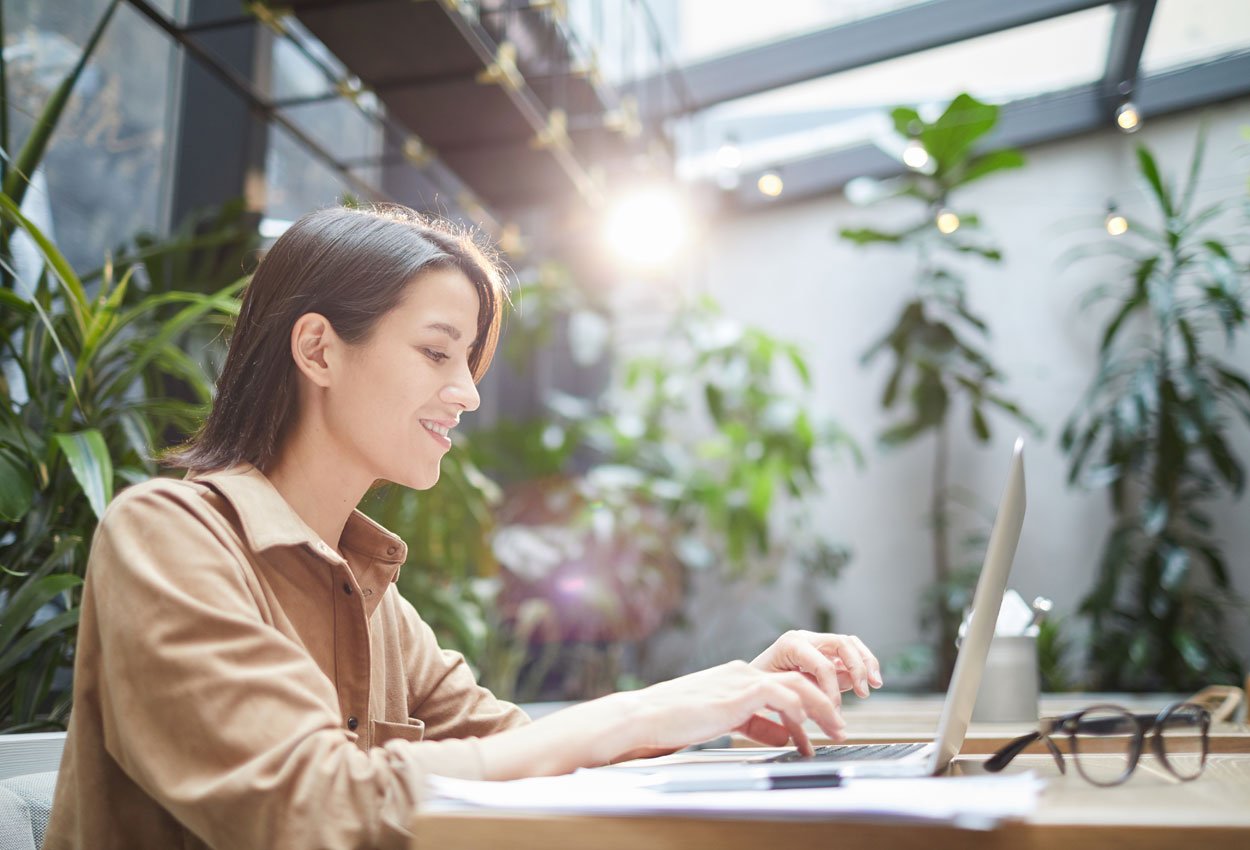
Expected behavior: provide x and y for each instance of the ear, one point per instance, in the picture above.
(314, 345)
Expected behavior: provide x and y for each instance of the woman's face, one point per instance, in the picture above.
(405, 387)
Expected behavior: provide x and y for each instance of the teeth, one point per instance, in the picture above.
(437, 429)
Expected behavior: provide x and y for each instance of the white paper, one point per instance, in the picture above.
(972, 802)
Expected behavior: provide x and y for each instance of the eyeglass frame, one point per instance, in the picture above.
(1145, 723)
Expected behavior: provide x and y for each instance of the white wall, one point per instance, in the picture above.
(786, 271)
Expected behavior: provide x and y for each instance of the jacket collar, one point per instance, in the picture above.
(269, 521)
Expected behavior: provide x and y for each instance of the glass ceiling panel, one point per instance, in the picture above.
(849, 108)
(706, 28)
(1184, 32)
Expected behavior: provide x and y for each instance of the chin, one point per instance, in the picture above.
(423, 480)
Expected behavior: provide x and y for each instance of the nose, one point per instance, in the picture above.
(462, 392)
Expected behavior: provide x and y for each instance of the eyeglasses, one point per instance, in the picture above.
(1106, 741)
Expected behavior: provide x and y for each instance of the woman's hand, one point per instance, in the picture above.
(728, 698)
(834, 662)
(800, 677)
(665, 717)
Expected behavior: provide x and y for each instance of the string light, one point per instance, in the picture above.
(915, 155)
(1127, 117)
(770, 184)
(947, 221)
(1116, 224)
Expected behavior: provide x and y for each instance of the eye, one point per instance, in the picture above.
(434, 354)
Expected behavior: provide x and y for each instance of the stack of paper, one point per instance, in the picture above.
(976, 802)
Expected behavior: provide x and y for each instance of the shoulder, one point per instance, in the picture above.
(169, 498)
(174, 514)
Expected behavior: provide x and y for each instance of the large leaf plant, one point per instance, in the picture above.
(84, 369)
(1154, 431)
(939, 368)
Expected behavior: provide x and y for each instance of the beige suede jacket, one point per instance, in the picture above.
(238, 684)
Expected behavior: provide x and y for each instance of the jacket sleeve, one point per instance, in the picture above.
(444, 693)
(223, 720)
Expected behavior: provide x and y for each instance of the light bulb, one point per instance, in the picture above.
(915, 155)
(947, 221)
(1116, 224)
(1127, 117)
(729, 155)
(770, 184)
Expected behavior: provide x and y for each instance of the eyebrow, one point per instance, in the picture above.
(450, 330)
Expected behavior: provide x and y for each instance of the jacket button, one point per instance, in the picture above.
(347, 588)
(352, 723)
(391, 550)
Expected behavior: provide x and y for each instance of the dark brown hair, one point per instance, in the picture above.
(351, 265)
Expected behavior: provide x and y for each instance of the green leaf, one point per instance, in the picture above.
(61, 268)
(1190, 650)
(1195, 166)
(760, 497)
(1175, 568)
(984, 164)
(907, 121)
(91, 464)
(17, 488)
(33, 594)
(949, 139)
(715, 402)
(10, 300)
(979, 426)
(100, 322)
(186, 317)
(981, 251)
(890, 395)
(899, 434)
(866, 236)
(800, 365)
(1149, 170)
(36, 636)
(1154, 516)
(1129, 307)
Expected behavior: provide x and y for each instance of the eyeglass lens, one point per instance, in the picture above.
(1182, 732)
(1106, 744)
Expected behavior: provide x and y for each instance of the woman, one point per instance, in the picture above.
(246, 674)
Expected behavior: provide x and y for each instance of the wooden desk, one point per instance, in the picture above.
(1150, 811)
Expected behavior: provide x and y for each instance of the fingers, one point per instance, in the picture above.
(874, 666)
(862, 667)
(812, 661)
(795, 699)
(851, 665)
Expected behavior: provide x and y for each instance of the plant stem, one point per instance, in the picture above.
(941, 558)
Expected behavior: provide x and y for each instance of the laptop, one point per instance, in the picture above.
(910, 759)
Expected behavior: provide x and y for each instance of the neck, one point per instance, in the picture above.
(312, 477)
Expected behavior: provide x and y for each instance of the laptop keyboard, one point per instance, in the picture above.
(853, 752)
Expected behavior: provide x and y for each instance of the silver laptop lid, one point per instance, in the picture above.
(988, 598)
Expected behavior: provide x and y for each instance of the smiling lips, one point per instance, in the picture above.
(438, 431)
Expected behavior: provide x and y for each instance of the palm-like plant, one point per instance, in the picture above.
(84, 364)
(82, 403)
(1152, 430)
(935, 341)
